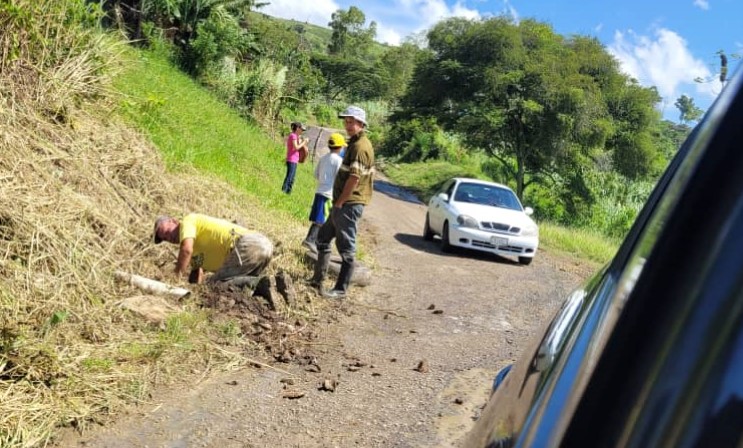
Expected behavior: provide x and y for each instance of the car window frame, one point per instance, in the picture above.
(618, 283)
(712, 166)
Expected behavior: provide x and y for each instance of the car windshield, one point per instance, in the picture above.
(487, 195)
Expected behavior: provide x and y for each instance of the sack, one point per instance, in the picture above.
(303, 154)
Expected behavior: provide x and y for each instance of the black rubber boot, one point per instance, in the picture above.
(310, 240)
(321, 268)
(344, 277)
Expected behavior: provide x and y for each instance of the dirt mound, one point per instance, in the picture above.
(285, 339)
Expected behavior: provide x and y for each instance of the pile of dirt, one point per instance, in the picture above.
(263, 318)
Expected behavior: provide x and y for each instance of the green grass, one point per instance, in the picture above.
(424, 178)
(583, 243)
(192, 128)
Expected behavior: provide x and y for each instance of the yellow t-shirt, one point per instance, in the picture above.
(213, 239)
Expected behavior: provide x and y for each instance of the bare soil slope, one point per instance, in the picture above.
(410, 358)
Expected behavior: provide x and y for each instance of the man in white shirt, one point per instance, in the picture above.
(325, 172)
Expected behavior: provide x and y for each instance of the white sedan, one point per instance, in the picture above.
(484, 216)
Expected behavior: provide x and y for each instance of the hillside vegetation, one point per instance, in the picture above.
(318, 37)
(79, 189)
(552, 116)
(194, 129)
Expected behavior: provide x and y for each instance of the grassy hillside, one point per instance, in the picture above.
(79, 190)
(193, 129)
(317, 37)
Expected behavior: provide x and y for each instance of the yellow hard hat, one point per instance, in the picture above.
(336, 141)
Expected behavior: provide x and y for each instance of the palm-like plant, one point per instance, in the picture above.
(179, 18)
(184, 16)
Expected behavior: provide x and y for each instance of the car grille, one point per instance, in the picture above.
(499, 227)
(487, 245)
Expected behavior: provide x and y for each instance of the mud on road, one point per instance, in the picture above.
(405, 362)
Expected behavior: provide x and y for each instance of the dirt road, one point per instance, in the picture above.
(484, 309)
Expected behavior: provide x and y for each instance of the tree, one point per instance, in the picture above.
(541, 104)
(350, 38)
(397, 64)
(689, 111)
(287, 46)
(355, 80)
(180, 22)
(181, 17)
(668, 136)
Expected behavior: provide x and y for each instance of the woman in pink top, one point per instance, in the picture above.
(294, 144)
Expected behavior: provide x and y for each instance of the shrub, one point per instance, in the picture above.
(325, 114)
(546, 203)
(157, 43)
(217, 37)
(260, 89)
(409, 141)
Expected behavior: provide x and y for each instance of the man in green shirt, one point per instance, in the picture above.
(352, 190)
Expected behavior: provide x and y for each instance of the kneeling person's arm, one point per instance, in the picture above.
(184, 256)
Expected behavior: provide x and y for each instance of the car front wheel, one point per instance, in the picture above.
(526, 261)
(427, 232)
(445, 246)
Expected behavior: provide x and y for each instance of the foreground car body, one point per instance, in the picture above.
(484, 216)
(649, 352)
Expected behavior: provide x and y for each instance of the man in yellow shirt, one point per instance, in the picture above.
(214, 245)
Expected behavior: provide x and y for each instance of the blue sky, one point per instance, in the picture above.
(661, 43)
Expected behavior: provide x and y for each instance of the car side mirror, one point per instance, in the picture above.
(529, 211)
(444, 197)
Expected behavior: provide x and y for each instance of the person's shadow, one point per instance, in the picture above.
(434, 247)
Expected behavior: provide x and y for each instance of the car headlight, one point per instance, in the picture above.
(467, 221)
(530, 230)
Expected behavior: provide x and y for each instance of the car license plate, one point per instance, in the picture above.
(498, 241)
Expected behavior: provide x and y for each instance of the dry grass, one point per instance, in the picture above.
(78, 193)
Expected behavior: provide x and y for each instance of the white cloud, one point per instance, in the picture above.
(702, 4)
(395, 20)
(509, 10)
(664, 61)
(598, 27)
(424, 13)
(388, 35)
(460, 10)
(317, 12)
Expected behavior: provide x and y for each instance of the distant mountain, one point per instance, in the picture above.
(317, 36)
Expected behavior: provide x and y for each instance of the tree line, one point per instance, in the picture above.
(553, 116)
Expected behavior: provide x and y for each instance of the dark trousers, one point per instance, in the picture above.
(342, 225)
(291, 172)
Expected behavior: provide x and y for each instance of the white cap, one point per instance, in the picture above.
(355, 112)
